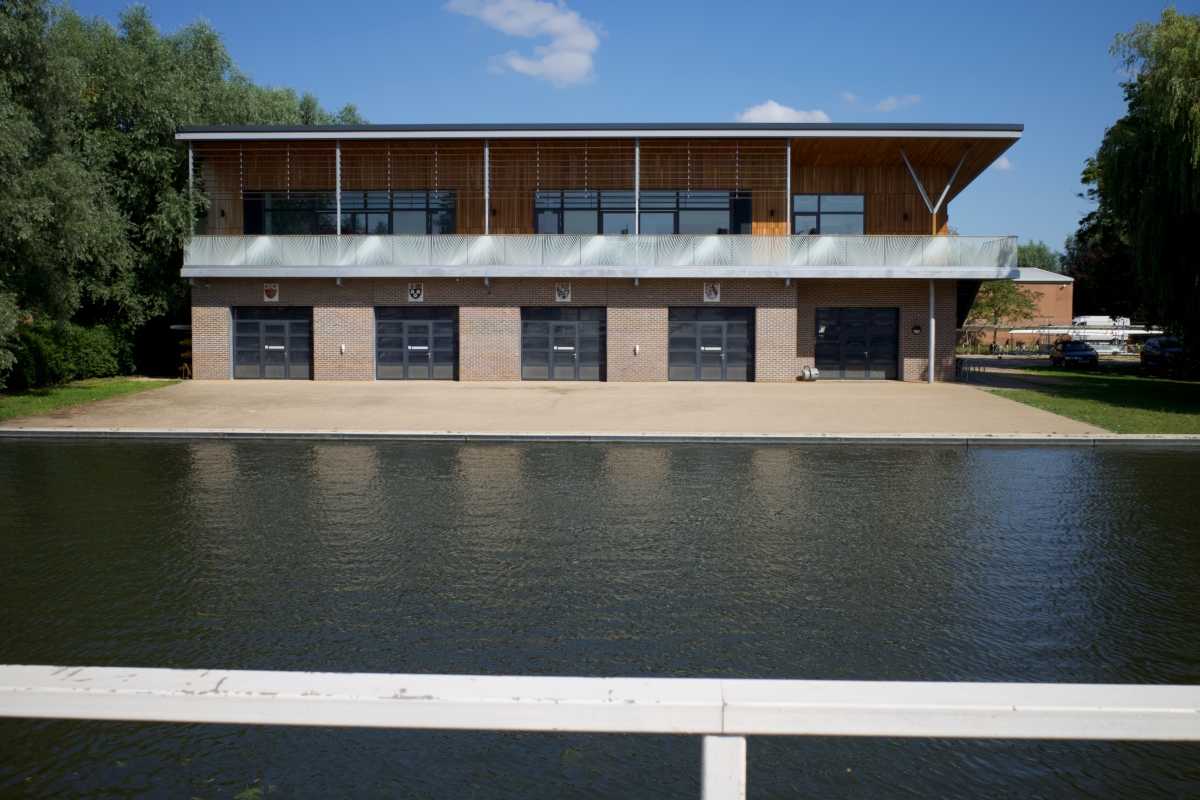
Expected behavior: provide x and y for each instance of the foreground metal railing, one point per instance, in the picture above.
(724, 712)
(570, 251)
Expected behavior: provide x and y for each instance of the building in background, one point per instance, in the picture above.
(585, 252)
(1053, 294)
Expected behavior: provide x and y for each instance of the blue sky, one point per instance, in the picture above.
(1046, 65)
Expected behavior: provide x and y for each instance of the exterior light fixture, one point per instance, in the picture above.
(916, 330)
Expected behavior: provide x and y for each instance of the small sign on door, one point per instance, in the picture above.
(712, 291)
(270, 292)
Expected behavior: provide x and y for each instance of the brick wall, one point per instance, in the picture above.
(489, 320)
(911, 297)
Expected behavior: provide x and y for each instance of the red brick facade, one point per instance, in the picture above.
(490, 320)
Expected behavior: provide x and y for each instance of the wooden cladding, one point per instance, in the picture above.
(519, 168)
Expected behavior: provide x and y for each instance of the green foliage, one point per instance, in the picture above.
(93, 186)
(8, 332)
(1147, 170)
(1001, 302)
(51, 354)
(1099, 260)
(1039, 255)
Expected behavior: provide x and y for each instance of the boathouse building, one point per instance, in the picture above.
(731, 252)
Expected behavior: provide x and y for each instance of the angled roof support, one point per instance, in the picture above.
(934, 208)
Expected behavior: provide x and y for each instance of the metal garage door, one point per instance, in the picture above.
(272, 343)
(563, 344)
(711, 344)
(416, 343)
(857, 343)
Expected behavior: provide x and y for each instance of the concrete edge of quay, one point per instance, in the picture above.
(958, 440)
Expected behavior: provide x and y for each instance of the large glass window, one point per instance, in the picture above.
(828, 214)
(611, 212)
(584, 211)
(377, 213)
(697, 212)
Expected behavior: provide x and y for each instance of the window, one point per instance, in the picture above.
(584, 211)
(695, 212)
(375, 213)
(828, 214)
(611, 212)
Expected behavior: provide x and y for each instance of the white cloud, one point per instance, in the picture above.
(850, 98)
(771, 111)
(568, 57)
(893, 102)
(1003, 164)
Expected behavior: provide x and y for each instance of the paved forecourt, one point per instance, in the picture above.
(719, 409)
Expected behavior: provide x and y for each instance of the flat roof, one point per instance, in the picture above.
(1036, 275)
(613, 129)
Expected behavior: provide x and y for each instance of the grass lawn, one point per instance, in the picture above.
(44, 401)
(1114, 400)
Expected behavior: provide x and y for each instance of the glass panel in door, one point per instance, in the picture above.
(564, 340)
(712, 351)
(443, 350)
(737, 351)
(417, 342)
(590, 355)
(856, 350)
(274, 355)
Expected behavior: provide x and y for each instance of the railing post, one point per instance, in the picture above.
(724, 768)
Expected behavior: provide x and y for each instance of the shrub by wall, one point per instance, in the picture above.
(49, 354)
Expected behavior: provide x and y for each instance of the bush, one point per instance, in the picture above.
(49, 354)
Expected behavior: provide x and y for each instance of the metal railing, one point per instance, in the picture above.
(567, 251)
(724, 712)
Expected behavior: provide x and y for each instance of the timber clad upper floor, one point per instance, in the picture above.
(825, 190)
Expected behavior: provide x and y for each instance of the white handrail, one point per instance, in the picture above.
(723, 711)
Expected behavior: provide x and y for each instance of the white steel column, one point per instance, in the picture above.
(191, 194)
(337, 177)
(787, 216)
(487, 183)
(637, 186)
(932, 333)
(724, 769)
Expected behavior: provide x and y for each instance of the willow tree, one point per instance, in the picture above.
(1147, 167)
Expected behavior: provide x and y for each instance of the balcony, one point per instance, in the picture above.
(570, 256)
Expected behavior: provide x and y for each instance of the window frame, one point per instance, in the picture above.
(325, 205)
(819, 213)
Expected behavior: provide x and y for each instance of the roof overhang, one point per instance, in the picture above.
(824, 130)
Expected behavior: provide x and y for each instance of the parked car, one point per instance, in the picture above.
(1072, 353)
(1162, 354)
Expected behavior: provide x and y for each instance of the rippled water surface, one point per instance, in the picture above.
(568, 559)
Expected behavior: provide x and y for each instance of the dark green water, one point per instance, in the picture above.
(824, 562)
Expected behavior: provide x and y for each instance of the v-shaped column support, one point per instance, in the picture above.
(934, 208)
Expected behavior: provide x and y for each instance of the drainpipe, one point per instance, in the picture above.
(932, 332)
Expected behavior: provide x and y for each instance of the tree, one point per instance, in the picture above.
(93, 185)
(1038, 255)
(8, 330)
(1098, 259)
(1148, 167)
(1000, 302)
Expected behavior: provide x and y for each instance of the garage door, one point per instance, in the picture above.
(857, 343)
(272, 343)
(563, 344)
(416, 343)
(711, 344)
